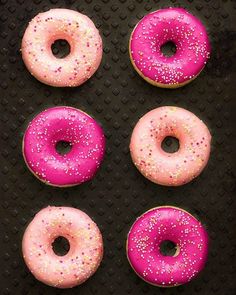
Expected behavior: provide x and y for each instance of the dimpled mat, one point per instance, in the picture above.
(117, 97)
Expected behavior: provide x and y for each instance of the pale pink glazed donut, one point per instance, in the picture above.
(161, 224)
(68, 124)
(162, 26)
(170, 169)
(85, 253)
(85, 47)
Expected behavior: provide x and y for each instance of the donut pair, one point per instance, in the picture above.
(63, 124)
(87, 142)
(144, 241)
(156, 29)
(167, 223)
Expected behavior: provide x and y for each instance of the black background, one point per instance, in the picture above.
(117, 97)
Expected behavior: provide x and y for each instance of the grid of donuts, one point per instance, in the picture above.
(86, 140)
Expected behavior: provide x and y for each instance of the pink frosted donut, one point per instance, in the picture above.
(160, 27)
(85, 253)
(170, 169)
(85, 47)
(63, 124)
(167, 224)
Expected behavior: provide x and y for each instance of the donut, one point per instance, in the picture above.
(67, 124)
(170, 169)
(83, 257)
(174, 25)
(85, 47)
(162, 224)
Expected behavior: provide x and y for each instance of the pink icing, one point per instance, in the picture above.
(161, 224)
(159, 27)
(85, 47)
(171, 169)
(85, 253)
(63, 124)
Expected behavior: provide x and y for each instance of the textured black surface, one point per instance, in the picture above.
(117, 97)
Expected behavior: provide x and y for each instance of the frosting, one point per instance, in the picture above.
(85, 47)
(161, 224)
(63, 124)
(159, 27)
(85, 253)
(164, 168)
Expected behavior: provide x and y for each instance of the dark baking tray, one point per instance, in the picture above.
(117, 97)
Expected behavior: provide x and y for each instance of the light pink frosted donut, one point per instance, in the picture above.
(63, 124)
(167, 224)
(162, 26)
(85, 253)
(171, 169)
(85, 47)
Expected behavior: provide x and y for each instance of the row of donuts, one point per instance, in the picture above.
(87, 142)
(143, 246)
(150, 34)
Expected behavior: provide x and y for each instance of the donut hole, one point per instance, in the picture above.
(60, 48)
(170, 144)
(63, 147)
(61, 246)
(169, 248)
(168, 49)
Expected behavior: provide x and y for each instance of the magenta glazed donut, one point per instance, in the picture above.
(162, 224)
(170, 169)
(85, 47)
(67, 124)
(160, 27)
(83, 257)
